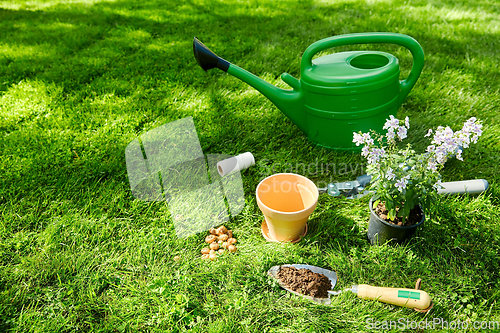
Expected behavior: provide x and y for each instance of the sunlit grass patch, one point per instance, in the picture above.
(44, 4)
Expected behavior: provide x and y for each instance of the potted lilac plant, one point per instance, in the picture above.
(406, 183)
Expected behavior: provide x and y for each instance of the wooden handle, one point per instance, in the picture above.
(410, 298)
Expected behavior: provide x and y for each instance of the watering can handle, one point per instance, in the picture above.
(369, 38)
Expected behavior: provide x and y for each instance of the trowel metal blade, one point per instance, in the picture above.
(273, 272)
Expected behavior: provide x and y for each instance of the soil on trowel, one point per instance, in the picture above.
(305, 281)
(414, 218)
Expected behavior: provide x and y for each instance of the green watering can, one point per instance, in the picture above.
(337, 94)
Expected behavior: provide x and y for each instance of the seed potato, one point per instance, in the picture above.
(221, 240)
(222, 230)
(210, 238)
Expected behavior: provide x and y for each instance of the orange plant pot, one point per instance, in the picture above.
(286, 200)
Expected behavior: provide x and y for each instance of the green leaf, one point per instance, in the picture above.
(391, 214)
(389, 205)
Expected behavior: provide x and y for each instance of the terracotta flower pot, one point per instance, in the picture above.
(286, 200)
(381, 231)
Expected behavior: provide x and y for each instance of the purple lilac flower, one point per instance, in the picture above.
(393, 122)
(400, 185)
(470, 127)
(365, 151)
(443, 135)
(357, 138)
(390, 134)
(390, 175)
(393, 128)
(429, 133)
(441, 154)
(363, 138)
(375, 155)
(402, 133)
(447, 143)
(367, 138)
(451, 141)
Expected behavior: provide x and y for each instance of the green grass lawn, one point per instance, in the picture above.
(81, 79)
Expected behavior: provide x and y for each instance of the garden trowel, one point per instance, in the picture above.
(410, 298)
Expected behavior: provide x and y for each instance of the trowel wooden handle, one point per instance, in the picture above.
(410, 298)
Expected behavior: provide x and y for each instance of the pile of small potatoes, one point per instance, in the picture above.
(220, 240)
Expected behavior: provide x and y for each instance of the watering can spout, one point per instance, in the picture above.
(286, 100)
(206, 58)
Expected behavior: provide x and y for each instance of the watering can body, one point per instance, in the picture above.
(337, 94)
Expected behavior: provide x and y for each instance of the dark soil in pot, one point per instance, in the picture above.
(381, 231)
(414, 218)
(305, 281)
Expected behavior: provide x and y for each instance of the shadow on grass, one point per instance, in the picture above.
(333, 227)
(126, 39)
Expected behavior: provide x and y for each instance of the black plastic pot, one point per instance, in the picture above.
(380, 231)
